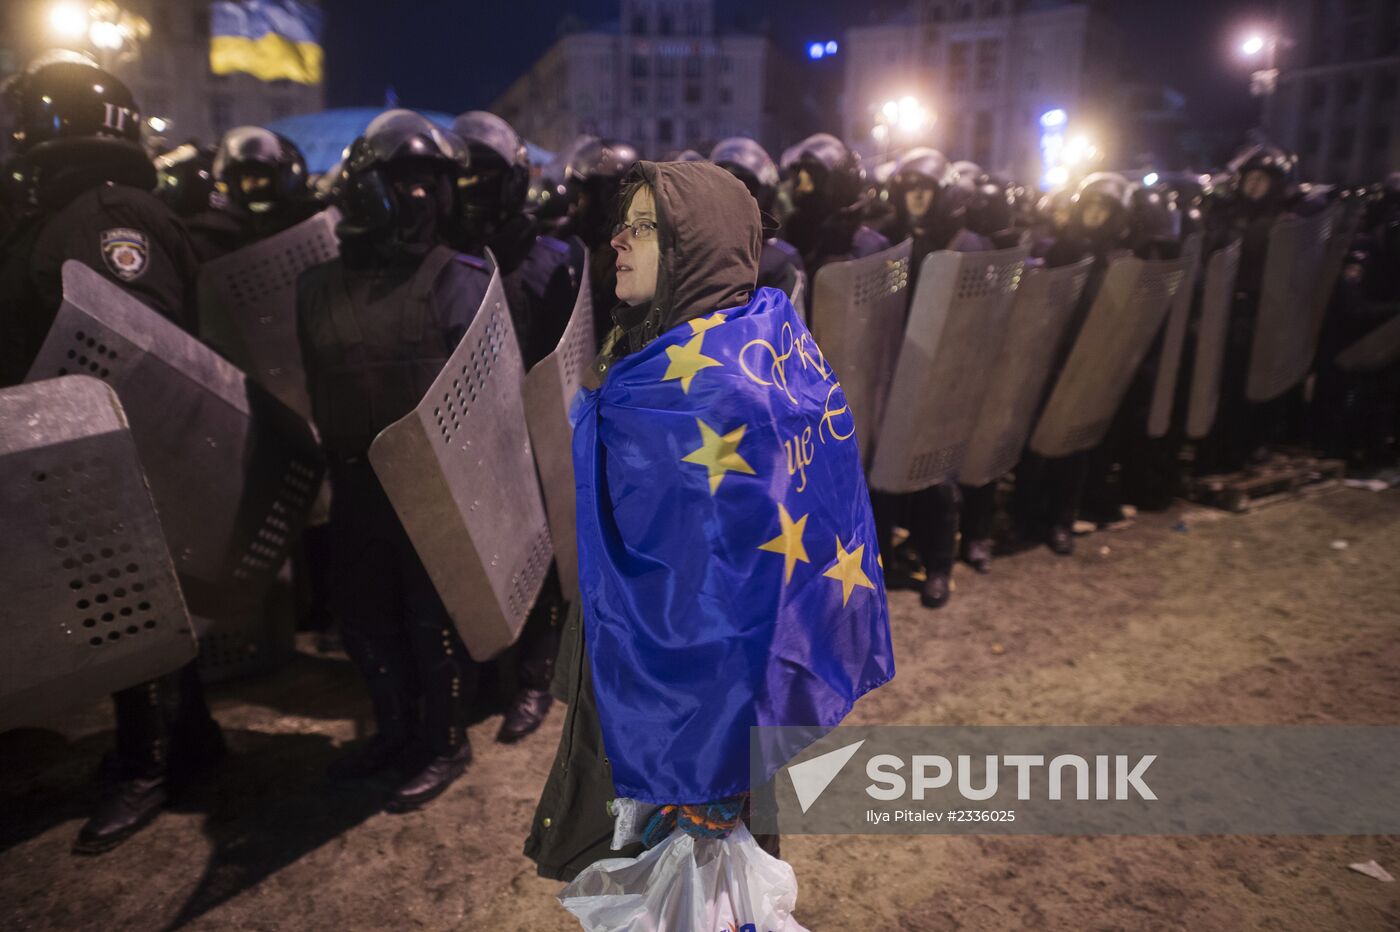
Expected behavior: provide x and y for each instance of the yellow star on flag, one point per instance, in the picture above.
(789, 542)
(847, 569)
(686, 361)
(700, 324)
(719, 453)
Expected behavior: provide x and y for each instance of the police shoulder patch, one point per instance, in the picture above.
(126, 252)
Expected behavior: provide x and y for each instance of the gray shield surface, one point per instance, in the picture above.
(858, 321)
(90, 602)
(1122, 323)
(1217, 296)
(549, 390)
(460, 472)
(957, 325)
(1159, 416)
(1042, 309)
(1375, 350)
(248, 305)
(799, 295)
(1285, 332)
(1342, 234)
(232, 470)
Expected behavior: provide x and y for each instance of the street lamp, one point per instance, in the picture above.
(68, 21)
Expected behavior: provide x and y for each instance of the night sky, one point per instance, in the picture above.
(453, 56)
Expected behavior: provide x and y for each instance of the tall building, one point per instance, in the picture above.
(986, 72)
(663, 78)
(169, 74)
(1337, 100)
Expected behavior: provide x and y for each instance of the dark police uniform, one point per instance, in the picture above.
(373, 339)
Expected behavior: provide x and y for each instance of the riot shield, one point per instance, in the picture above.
(1122, 323)
(1375, 350)
(1159, 417)
(957, 325)
(858, 321)
(90, 602)
(1044, 304)
(232, 470)
(549, 390)
(460, 472)
(1285, 331)
(1341, 235)
(1217, 296)
(248, 305)
(799, 295)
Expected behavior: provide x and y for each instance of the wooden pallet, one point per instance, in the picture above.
(1281, 478)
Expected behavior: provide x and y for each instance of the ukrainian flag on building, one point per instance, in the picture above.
(269, 39)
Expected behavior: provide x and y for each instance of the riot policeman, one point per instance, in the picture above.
(261, 181)
(826, 224)
(935, 221)
(376, 326)
(541, 283)
(593, 178)
(89, 182)
(185, 179)
(1260, 190)
(779, 264)
(1048, 490)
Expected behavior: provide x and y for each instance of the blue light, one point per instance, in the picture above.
(816, 50)
(1052, 118)
(831, 47)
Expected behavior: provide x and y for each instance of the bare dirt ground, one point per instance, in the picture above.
(1252, 619)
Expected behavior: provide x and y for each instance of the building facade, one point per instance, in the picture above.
(168, 72)
(1337, 100)
(986, 72)
(664, 79)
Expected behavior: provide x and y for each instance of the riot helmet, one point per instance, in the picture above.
(1262, 174)
(398, 181)
(826, 175)
(259, 170)
(185, 178)
(1055, 209)
(594, 179)
(495, 176)
(1100, 210)
(746, 160)
(919, 177)
(65, 96)
(991, 207)
(1152, 214)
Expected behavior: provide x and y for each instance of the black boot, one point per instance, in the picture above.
(432, 780)
(526, 713)
(936, 591)
(1060, 538)
(978, 555)
(127, 809)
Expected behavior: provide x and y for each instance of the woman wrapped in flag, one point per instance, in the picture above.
(729, 574)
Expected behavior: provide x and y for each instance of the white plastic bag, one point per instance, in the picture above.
(688, 884)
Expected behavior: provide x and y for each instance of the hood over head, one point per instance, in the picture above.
(710, 239)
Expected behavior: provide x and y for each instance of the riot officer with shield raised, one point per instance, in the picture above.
(89, 183)
(1048, 490)
(779, 264)
(936, 219)
(827, 222)
(376, 326)
(541, 283)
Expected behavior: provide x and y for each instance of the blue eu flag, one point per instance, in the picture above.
(727, 552)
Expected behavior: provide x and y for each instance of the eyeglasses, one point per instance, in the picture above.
(641, 229)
